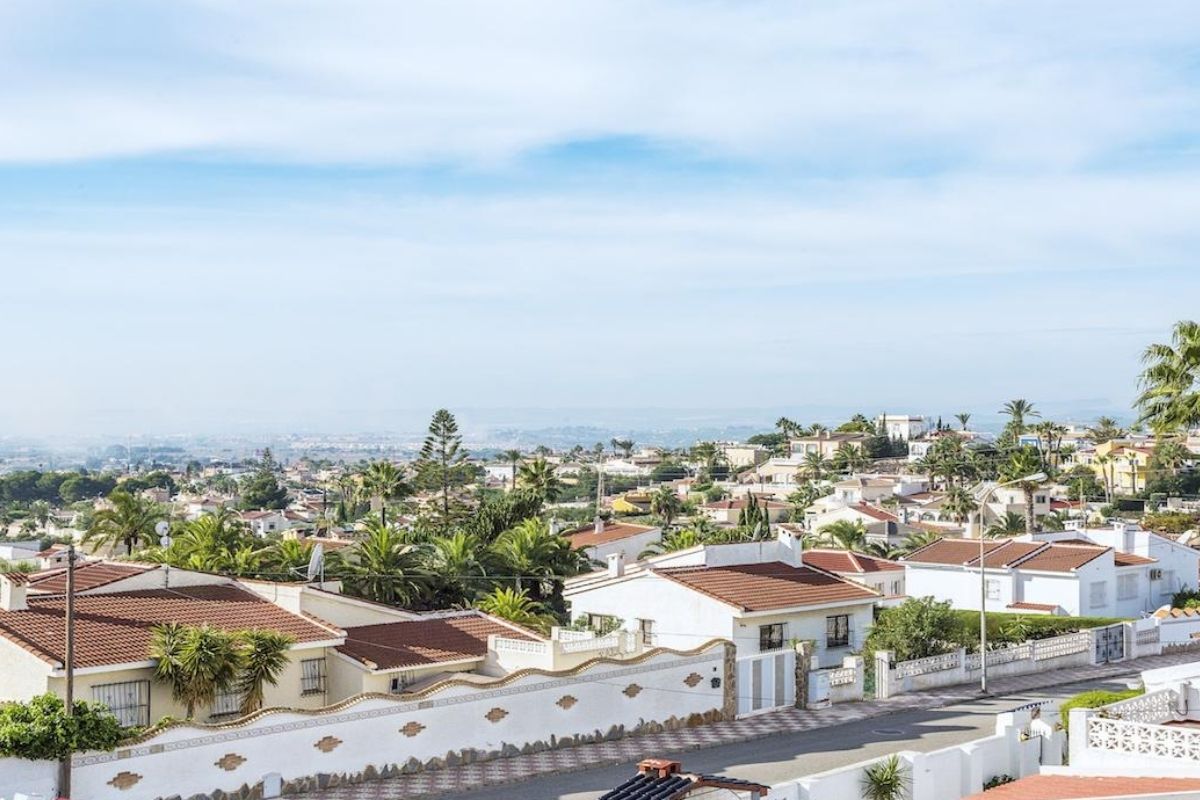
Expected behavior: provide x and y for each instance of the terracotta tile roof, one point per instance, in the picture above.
(1131, 559)
(1023, 606)
(116, 628)
(88, 575)
(848, 561)
(1078, 787)
(875, 513)
(953, 552)
(1055, 557)
(392, 645)
(1177, 613)
(765, 587)
(613, 531)
(741, 503)
(1063, 557)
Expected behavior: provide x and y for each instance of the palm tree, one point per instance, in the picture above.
(963, 418)
(919, 539)
(959, 504)
(1017, 411)
(460, 565)
(537, 559)
(517, 607)
(815, 465)
(665, 503)
(538, 476)
(707, 453)
(1170, 400)
(263, 657)
(848, 457)
(128, 522)
(384, 566)
(513, 457)
(1010, 524)
(845, 534)
(1106, 471)
(680, 539)
(383, 481)
(1023, 462)
(39, 512)
(198, 663)
(288, 557)
(1105, 430)
(624, 445)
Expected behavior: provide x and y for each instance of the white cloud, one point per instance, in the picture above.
(1025, 84)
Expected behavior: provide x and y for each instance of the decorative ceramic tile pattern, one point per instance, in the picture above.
(229, 762)
(495, 715)
(124, 780)
(694, 679)
(566, 701)
(411, 729)
(327, 744)
(632, 690)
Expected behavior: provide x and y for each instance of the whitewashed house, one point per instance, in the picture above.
(602, 539)
(264, 523)
(879, 574)
(1074, 578)
(760, 595)
(902, 426)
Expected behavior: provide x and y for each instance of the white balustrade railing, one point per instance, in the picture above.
(568, 635)
(1158, 741)
(1152, 709)
(1059, 646)
(923, 666)
(611, 642)
(843, 676)
(503, 645)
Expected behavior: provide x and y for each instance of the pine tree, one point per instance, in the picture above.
(441, 463)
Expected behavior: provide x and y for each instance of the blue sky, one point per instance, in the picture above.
(323, 215)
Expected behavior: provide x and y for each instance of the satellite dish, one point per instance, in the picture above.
(162, 527)
(316, 562)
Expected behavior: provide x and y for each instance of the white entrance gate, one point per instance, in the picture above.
(766, 682)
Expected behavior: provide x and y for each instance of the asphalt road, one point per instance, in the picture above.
(780, 758)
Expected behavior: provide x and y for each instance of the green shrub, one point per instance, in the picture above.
(917, 628)
(998, 780)
(1186, 598)
(41, 729)
(1092, 699)
(1017, 628)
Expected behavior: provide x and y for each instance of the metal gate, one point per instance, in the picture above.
(766, 681)
(1110, 643)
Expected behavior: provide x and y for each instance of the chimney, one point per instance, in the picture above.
(616, 565)
(12, 591)
(659, 767)
(791, 548)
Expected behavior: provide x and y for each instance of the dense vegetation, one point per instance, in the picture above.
(41, 730)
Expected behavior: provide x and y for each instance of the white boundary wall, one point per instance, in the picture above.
(528, 712)
(1016, 749)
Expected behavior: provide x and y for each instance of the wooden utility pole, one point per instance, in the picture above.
(64, 766)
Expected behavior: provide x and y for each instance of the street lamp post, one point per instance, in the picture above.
(982, 500)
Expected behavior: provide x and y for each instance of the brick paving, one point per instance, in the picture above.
(573, 759)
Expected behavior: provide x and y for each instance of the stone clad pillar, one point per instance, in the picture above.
(804, 657)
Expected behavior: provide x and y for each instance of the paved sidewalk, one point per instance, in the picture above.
(440, 783)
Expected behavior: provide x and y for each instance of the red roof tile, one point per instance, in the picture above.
(392, 645)
(1000, 553)
(1062, 557)
(116, 628)
(848, 561)
(954, 552)
(765, 587)
(875, 513)
(613, 532)
(88, 575)
(1131, 560)
(1078, 787)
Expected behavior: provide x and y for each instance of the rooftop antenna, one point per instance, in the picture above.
(163, 529)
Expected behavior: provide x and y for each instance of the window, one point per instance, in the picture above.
(993, 589)
(602, 624)
(1039, 499)
(312, 676)
(837, 631)
(227, 703)
(129, 702)
(646, 628)
(1098, 594)
(770, 637)
(896, 589)
(1127, 587)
